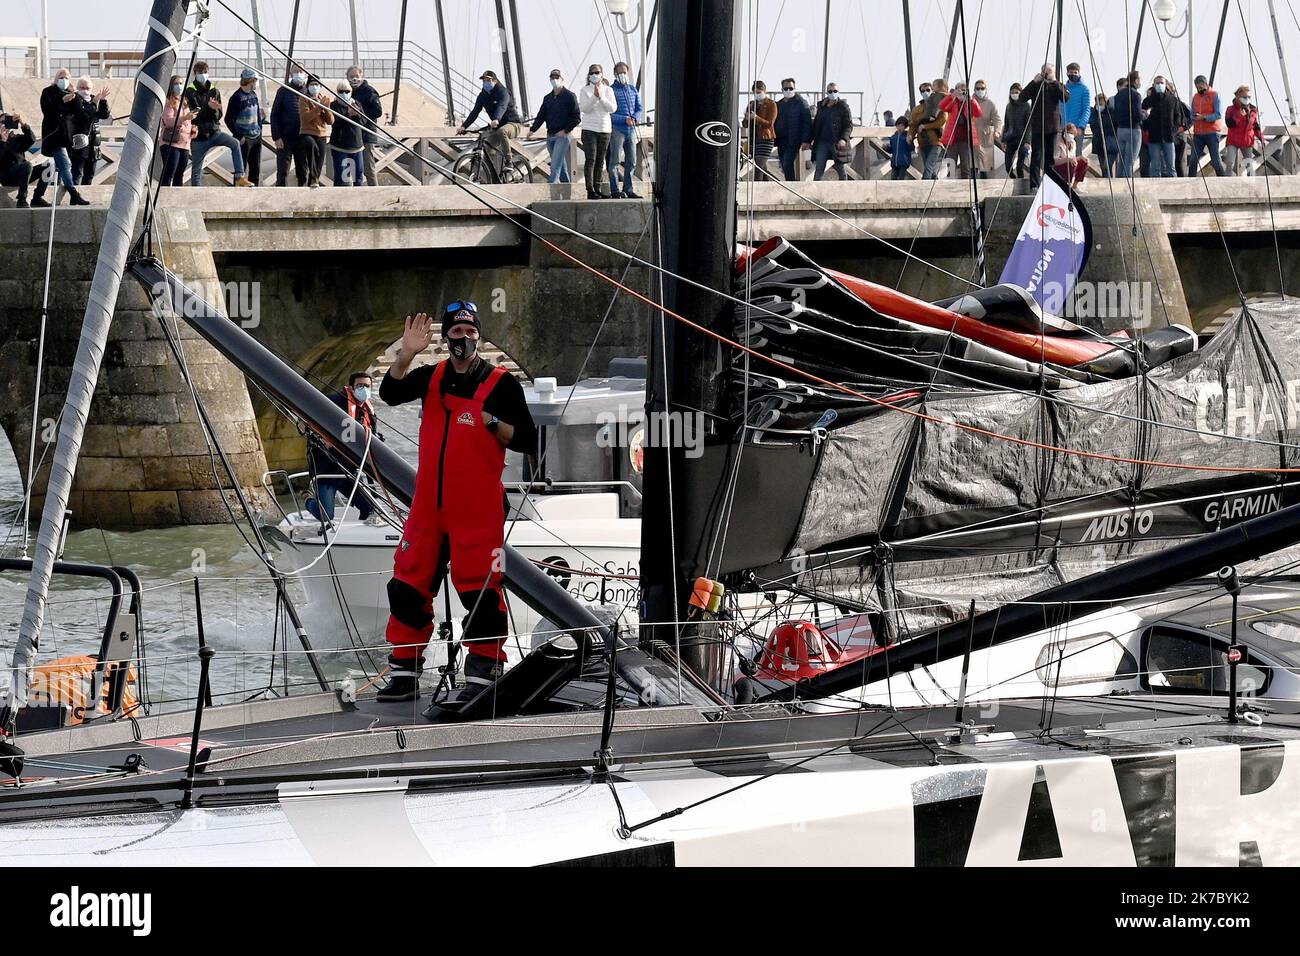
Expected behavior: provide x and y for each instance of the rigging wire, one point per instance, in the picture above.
(800, 372)
(1253, 58)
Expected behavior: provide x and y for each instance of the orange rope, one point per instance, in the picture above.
(975, 429)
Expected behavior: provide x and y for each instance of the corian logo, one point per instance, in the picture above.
(714, 132)
(76, 909)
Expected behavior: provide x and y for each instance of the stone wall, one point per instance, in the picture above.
(144, 461)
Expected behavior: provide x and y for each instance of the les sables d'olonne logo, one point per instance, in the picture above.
(76, 909)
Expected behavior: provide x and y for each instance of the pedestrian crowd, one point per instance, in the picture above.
(1139, 130)
(1148, 131)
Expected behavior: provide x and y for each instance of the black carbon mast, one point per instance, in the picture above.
(695, 205)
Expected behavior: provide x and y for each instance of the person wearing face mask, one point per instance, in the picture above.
(504, 123)
(57, 106)
(926, 125)
(355, 402)
(1245, 135)
(244, 119)
(16, 139)
(176, 133)
(314, 121)
(1162, 124)
(559, 111)
(596, 103)
(760, 129)
(960, 134)
(1047, 95)
(346, 143)
(367, 99)
(622, 134)
(1078, 108)
(1015, 133)
(832, 127)
(988, 129)
(83, 130)
(1105, 145)
(1207, 127)
(1126, 111)
(286, 126)
(203, 97)
(472, 412)
(793, 128)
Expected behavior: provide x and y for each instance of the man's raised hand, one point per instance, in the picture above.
(417, 335)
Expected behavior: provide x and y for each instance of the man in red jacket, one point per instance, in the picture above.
(473, 411)
(1207, 126)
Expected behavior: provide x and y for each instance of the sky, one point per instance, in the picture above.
(1007, 39)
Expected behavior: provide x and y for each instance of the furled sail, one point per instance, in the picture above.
(983, 427)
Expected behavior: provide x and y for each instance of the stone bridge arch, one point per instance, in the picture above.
(1211, 286)
(333, 313)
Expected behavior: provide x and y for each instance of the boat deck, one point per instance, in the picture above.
(250, 749)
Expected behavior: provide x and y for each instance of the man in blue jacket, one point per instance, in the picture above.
(244, 119)
(285, 127)
(367, 99)
(622, 135)
(504, 124)
(1078, 108)
(793, 128)
(559, 111)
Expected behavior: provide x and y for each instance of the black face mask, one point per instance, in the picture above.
(462, 348)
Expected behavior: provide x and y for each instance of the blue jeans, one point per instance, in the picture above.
(824, 153)
(175, 162)
(789, 159)
(930, 157)
(1208, 141)
(349, 168)
(1162, 159)
(1129, 142)
(622, 146)
(63, 165)
(558, 147)
(328, 489)
(199, 148)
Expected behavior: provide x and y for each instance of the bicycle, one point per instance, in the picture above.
(478, 166)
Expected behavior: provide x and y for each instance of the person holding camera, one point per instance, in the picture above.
(15, 140)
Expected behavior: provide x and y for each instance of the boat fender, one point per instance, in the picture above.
(347, 691)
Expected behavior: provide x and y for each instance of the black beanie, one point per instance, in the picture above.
(459, 317)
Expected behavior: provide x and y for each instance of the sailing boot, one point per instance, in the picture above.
(403, 682)
(480, 672)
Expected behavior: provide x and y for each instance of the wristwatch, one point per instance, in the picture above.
(492, 423)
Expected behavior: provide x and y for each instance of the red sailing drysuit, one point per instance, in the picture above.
(458, 515)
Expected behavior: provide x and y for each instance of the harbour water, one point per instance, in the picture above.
(238, 598)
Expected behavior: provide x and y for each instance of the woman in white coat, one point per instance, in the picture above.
(596, 103)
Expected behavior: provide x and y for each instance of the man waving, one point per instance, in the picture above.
(472, 412)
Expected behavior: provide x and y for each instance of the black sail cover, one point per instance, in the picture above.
(897, 483)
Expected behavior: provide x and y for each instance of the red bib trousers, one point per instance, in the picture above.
(458, 515)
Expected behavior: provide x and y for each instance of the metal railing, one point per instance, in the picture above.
(1280, 156)
(327, 59)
